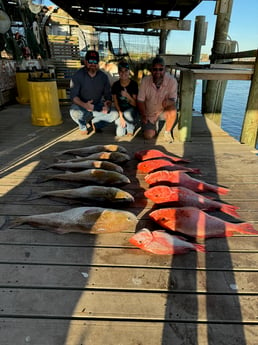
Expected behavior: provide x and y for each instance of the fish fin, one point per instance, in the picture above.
(199, 247)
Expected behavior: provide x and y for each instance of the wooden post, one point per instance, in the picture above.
(215, 90)
(249, 131)
(186, 103)
(199, 38)
(162, 41)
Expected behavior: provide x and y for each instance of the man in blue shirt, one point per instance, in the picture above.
(91, 95)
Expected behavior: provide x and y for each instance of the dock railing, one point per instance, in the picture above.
(235, 70)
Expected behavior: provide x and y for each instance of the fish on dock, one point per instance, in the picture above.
(99, 194)
(98, 176)
(196, 223)
(156, 164)
(153, 153)
(181, 178)
(91, 220)
(162, 243)
(115, 157)
(84, 151)
(87, 164)
(185, 197)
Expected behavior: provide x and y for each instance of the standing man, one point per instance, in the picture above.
(91, 94)
(157, 96)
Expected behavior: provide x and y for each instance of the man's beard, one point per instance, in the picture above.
(158, 80)
(92, 70)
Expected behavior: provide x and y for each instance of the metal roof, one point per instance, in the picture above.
(151, 14)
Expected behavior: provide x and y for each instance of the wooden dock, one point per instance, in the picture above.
(79, 289)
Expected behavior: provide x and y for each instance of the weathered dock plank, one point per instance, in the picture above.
(85, 289)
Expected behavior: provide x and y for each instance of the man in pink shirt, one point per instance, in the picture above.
(157, 96)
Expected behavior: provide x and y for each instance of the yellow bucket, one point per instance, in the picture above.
(45, 110)
(62, 96)
(22, 87)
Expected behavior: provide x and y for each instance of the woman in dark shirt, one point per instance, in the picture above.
(124, 93)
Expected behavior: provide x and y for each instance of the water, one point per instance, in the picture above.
(234, 105)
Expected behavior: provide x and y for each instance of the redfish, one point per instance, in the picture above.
(181, 178)
(185, 197)
(150, 154)
(99, 194)
(155, 164)
(194, 222)
(81, 151)
(87, 164)
(115, 157)
(93, 220)
(160, 242)
(98, 176)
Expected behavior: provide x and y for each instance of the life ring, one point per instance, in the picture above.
(35, 29)
(5, 22)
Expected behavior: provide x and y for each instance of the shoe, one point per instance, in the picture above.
(96, 129)
(168, 137)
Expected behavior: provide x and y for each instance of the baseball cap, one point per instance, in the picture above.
(92, 56)
(123, 64)
(158, 61)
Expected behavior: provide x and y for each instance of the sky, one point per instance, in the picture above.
(243, 27)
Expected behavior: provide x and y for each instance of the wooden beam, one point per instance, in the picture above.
(127, 32)
(249, 131)
(168, 24)
(220, 74)
(186, 105)
(236, 55)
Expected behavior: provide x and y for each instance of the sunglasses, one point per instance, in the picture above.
(92, 62)
(157, 69)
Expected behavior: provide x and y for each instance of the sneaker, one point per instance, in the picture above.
(168, 137)
(96, 129)
(85, 132)
(157, 126)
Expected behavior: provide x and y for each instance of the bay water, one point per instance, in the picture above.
(234, 105)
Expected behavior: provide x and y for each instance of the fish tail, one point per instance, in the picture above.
(199, 247)
(32, 196)
(8, 223)
(230, 209)
(5, 222)
(247, 228)
(222, 190)
(195, 171)
(59, 153)
(43, 179)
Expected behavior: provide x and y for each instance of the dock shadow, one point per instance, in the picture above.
(202, 306)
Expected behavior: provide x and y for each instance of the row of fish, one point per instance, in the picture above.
(104, 173)
(169, 183)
